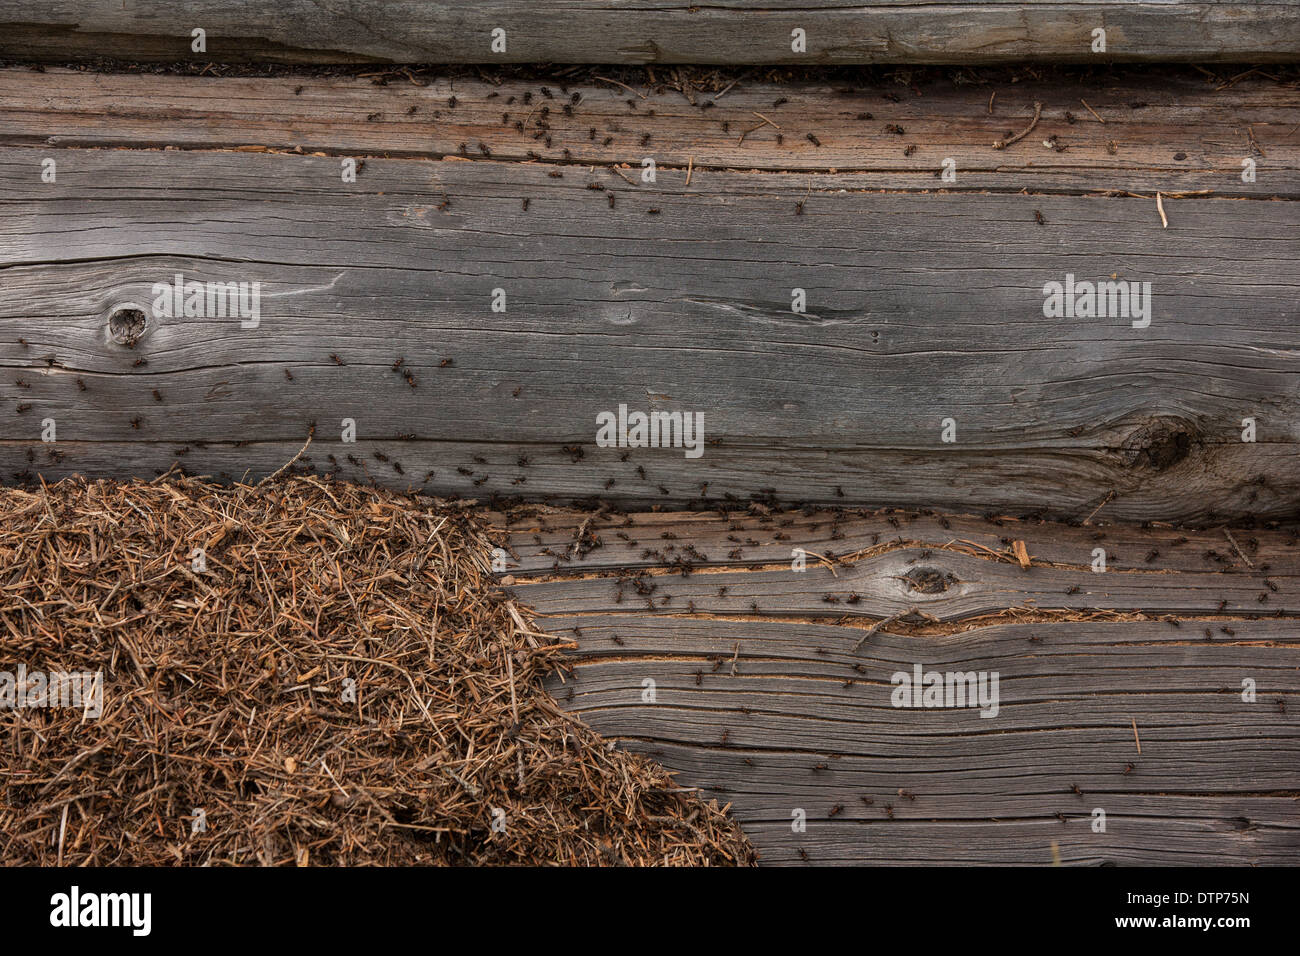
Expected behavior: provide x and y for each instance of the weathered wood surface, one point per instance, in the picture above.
(753, 541)
(686, 310)
(638, 31)
(949, 586)
(1124, 132)
(776, 713)
(922, 305)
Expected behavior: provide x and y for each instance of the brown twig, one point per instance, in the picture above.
(1109, 495)
(605, 79)
(885, 622)
(1235, 547)
(1003, 144)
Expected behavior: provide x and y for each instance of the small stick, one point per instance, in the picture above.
(998, 555)
(727, 87)
(1242, 76)
(620, 174)
(1003, 144)
(1135, 735)
(991, 95)
(690, 167)
(279, 471)
(514, 710)
(1160, 207)
(733, 659)
(1250, 130)
(63, 826)
(764, 119)
(1100, 506)
(1233, 542)
(617, 83)
(879, 624)
(824, 560)
(1178, 195)
(1090, 109)
(806, 193)
(332, 777)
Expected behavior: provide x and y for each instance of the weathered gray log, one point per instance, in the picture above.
(1140, 715)
(1179, 131)
(637, 31)
(921, 307)
(799, 726)
(549, 542)
(945, 586)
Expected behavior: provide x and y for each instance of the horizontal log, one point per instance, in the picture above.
(1176, 131)
(775, 717)
(662, 297)
(544, 542)
(1139, 841)
(946, 585)
(636, 31)
(791, 708)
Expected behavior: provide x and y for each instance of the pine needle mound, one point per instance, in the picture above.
(228, 735)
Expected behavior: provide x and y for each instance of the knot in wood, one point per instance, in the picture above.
(126, 325)
(929, 580)
(1159, 444)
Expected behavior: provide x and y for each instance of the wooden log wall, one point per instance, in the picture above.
(846, 274)
(639, 31)
(1146, 713)
(924, 314)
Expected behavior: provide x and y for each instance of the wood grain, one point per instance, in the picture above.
(1178, 131)
(943, 584)
(921, 307)
(545, 541)
(777, 714)
(637, 31)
